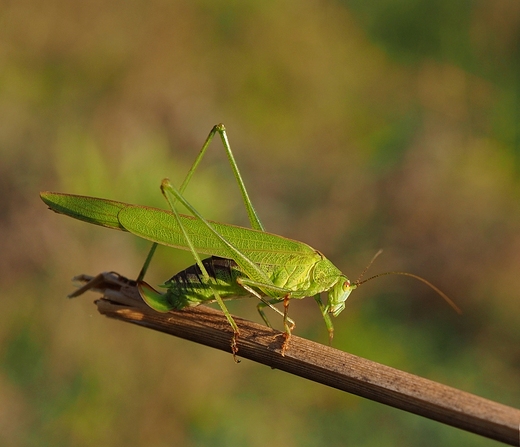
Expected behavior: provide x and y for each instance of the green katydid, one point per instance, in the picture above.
(243, 262)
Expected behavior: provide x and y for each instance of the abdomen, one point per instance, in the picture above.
(190, 288)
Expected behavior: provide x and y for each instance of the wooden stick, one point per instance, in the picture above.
(311, 360)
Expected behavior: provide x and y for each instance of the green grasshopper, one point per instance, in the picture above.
(243, 262)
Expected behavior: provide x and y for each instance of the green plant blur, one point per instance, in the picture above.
(356, 127)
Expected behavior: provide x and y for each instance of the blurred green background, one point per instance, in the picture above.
(357, 126)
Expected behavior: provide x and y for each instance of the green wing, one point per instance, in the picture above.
(160, 226)
(101, 212)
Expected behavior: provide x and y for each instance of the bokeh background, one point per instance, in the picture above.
(357, 126)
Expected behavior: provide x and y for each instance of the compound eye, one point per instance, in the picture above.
(346, 285)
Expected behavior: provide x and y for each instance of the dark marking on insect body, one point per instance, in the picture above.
(189, 287)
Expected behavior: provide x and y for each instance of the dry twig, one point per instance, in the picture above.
(313, 361)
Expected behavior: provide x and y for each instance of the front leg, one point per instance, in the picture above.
(326, 317)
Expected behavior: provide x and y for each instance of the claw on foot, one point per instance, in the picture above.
(234, 347)
(285, 344)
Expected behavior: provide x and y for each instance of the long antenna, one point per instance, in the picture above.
(358, 281)
(445, 297)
